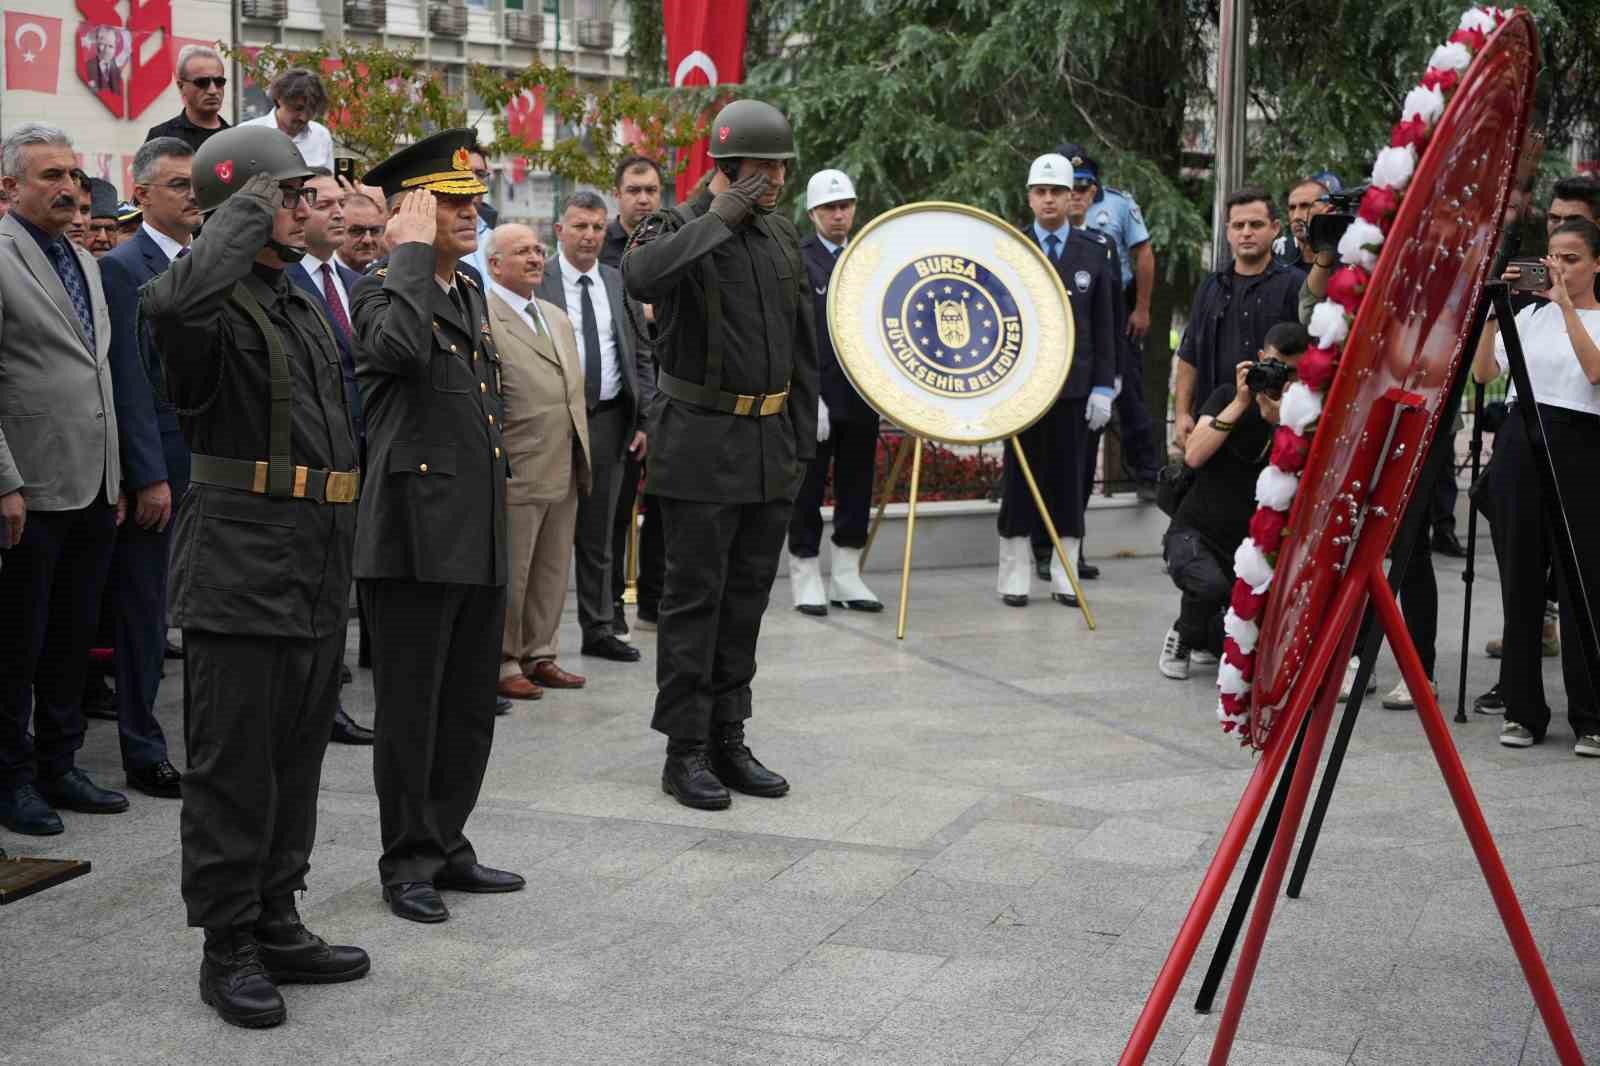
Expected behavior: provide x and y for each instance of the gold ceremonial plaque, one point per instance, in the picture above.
(951, 323)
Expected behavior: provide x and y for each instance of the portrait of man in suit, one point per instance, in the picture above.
(618, 390)
(547, 441)
(103, 65)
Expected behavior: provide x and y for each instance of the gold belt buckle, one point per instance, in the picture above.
(772, 403)
(743, 404)
(259, 485)
(342, 486)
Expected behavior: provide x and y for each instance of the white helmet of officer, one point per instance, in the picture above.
(1050, 169)
(828, 187)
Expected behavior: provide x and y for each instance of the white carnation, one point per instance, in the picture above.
(1230, 681)
(1328, 324)
(1251, 565)
(1275, 489)
(1426, 104)
(1245, 634)
(1394, 166)
(1450, 56)
(1300, 408)
(1477, 19)
(1360, 243)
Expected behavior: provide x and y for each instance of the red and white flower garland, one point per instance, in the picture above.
(1330, 326)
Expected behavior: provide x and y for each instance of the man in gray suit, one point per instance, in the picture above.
(60, 484)
(618, 389)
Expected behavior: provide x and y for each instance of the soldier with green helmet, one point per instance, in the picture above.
(734, 425)
(261, 568)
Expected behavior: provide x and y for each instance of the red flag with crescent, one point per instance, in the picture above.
(33, 52)
(705, 46)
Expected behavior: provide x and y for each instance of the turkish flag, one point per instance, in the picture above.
(525, 116)
(33, 52)
(705, 46)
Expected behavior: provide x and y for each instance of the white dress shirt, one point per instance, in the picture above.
(610, 371)
(165, 243)
(1553, 368)
(313, 268)
(315, 142)
(526, 307)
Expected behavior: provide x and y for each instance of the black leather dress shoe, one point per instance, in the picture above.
(478, 878)
(741, 771)
(1445, 542)
(687, 778)
(23, 810)
(73, 791)
(415, 901)
(609, 647)
(235, 984)
(1065, 599)
(172, 651)
(347, 730)
(1014, 601)
(815, 610)
(160, 780)
(293, 954)
(1087, 571)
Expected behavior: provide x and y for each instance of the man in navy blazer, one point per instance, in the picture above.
(155, 459)
(329, 282)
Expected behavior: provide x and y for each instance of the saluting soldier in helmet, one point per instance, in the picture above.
(260, 568)
(735, 423)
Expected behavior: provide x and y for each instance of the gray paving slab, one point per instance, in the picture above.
(997, 826)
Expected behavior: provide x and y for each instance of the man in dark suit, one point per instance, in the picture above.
(847, 428)
(431, 554)
(155, 459)
(328, 283)
(1057, 443)
(60, 482)
(619, 387)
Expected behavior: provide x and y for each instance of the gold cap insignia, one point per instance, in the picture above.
(461, 161)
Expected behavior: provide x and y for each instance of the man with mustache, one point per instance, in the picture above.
(200, 83)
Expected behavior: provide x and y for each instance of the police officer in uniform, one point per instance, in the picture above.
(735, 423)
(431, 544)
(260, 568)
(1057, 443)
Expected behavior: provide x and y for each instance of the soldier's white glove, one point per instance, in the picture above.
(824, 427)
(1116, 387)
(1098, 412)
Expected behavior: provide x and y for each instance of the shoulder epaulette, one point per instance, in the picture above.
(1091, 234)
(1120, 192)
(467, 278)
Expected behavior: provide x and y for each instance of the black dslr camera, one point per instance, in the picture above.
(1328, 228)
(1268, 377)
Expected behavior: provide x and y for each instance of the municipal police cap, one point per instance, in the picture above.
(441, 163)
(1050, 169)
(1084, 168)
(828, 187)
(128, 211)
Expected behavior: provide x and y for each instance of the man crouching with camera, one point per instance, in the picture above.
(1225, 453)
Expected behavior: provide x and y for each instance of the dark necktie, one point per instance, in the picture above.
(591, 346)
(72, 280)
(330, 292)
(182, 252)
(837, 250)
(1054, 244)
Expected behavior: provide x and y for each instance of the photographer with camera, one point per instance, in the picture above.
(1226, 452)
(1561, 341)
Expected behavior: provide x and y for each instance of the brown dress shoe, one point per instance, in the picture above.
(548, 674)
(518, 688)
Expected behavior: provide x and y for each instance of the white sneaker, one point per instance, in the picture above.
(1587, 745)
(1513, 735)
(1201, 657)
(1399, 697)
(845, 587)
(805, 585)
(1349, 683)
(1175, 657)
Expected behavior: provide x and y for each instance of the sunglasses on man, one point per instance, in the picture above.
(205, 83)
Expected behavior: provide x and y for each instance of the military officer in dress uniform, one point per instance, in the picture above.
(431, 545)
(1057, 443)
(735, 423)
(260, 568)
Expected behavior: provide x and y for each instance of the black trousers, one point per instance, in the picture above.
(1055, 447)
(1522, 530)
(721, 561)
(136, 599)
(256, 714)
(50, 591)
(1204, 576)
(435, 663)
(651, 550)
(597, 513)
(1141, 453)
(1418, 594)
(852, 450)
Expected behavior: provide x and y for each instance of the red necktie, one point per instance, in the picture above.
(330, 292)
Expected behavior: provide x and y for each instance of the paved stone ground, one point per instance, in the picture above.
(996, 828)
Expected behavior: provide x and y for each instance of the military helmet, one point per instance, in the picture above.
(229, 159)
(750, 129)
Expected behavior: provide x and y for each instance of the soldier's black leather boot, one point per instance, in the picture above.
(741, 771)
(292, 954)
(687, 777)
(234, 983)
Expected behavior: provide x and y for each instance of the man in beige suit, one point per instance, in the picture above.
(547, 441)
(60, 484)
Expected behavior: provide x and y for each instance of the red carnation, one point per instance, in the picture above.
(1245, 664)
(1379, 205)
(1289, 450)
(1347, 286)
(1443, 80)
(1233, 703)
(1246, 604)
(1316, 368)
(1266, 528)
(1410, 133)
(1473, 39)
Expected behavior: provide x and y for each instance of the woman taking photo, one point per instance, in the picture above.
(1561, 342)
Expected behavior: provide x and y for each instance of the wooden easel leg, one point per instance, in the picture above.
(898, 465)
(1050, 526)
(911, 529)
